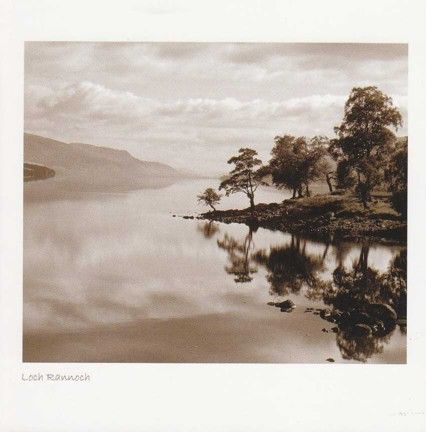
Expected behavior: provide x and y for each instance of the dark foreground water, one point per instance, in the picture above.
(117, 278)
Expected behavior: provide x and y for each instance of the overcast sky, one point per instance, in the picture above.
(194, 105)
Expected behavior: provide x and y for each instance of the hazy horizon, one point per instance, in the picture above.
(193, 105)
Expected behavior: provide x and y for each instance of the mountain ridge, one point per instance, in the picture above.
(82, 167)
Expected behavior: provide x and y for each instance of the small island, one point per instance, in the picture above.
(34, 172)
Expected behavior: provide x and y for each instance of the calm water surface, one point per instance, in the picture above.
(117, 278)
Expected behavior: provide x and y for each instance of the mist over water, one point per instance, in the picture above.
(115, 277)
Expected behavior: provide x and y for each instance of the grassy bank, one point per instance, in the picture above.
(325, 216)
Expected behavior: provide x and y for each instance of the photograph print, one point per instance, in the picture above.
(215, 202)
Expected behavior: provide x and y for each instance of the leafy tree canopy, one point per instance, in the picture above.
(365, 136)
(209, 198)
(366, 127)
(297, 161)
(246, 176)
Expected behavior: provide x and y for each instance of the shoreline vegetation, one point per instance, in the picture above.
(364, 167)
(323, 217)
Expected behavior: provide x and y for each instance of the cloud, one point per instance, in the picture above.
(197, 103)
(215, 70)
(201, 128)
(308, 52)
(89, 104)
(173, 51)
(93, 100)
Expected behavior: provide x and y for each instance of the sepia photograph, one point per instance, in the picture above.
(215, 202)
(211, 216)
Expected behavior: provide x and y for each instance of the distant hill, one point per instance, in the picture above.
(83, 167)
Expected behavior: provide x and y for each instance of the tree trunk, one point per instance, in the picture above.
(328, 179)
(294, 193)
(364, 193)
(300, 192)
(363, 259)
(251, 202)
(308, 193)
(324, 255)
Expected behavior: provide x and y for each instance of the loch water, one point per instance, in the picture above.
(123, 277)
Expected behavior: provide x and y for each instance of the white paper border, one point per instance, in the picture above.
(218, 397)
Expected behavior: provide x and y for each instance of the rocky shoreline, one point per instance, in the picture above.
(324, 217)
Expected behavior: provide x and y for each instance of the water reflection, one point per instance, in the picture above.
(239, 256)
(290, 267)
(117, 278)
(360, 348)
(365, 305)
(208, 229)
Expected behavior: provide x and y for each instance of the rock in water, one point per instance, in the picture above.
(286, 306)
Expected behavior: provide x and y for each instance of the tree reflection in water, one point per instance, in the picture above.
(208, 229)
(367, 305)
(364, 285)
(239, 257)
(364, 304)
(289, 267)
(360, 348)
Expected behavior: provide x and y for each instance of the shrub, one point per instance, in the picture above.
(399, 202)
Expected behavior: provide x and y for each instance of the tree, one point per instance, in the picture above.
(297, 162)
(396, 175)
(316, 165)
(209, 198)
(286, 164)
(397, 170)
(330, 175)
(365, 134)
(247, 175)
(344, 176)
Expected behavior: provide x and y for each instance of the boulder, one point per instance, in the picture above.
(285, 306)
